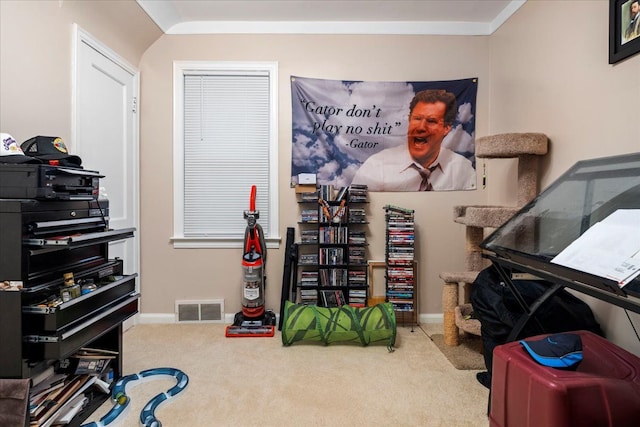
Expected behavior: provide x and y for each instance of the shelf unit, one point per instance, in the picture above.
(331, 266)
(400, 264)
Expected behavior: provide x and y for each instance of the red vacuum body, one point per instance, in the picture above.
(254, 319)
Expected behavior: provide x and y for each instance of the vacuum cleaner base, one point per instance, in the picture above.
(252, 328)
(249, 331)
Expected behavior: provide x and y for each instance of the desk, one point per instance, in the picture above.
(587, 193)
(589, 285)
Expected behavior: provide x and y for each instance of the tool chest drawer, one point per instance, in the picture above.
(44, 317)
(42, 263)
(25, 217)
(64, 342)
(42, 240)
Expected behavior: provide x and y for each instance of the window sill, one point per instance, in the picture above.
(217, 243)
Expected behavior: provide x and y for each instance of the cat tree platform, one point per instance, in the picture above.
(511, 145)
(471, 326)
(483, 216)
(527, 148)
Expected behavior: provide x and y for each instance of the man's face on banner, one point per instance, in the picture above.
(426, 131)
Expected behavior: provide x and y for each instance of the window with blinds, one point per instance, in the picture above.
(225, 142)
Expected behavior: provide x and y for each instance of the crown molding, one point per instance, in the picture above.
(167, 18)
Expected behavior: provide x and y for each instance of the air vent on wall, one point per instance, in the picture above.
(200, 311)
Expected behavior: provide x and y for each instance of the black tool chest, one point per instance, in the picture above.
(40, 241)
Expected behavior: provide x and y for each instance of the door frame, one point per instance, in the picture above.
(82, 36)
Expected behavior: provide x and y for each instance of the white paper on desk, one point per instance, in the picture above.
(609, 249)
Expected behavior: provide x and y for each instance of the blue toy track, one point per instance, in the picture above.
(147, 415)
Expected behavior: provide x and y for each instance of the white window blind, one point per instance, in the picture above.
(227, 147)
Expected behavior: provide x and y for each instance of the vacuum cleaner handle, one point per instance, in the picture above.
(252, 201)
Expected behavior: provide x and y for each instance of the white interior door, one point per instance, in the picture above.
(106, 136)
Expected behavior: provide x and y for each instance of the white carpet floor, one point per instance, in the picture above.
(259, 382)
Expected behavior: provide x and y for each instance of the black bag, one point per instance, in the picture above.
(497, 309)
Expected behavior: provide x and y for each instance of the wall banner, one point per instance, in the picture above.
(391, 136)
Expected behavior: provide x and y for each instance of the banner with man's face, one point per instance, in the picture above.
(391, 136)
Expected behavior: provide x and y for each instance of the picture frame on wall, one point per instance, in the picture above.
(624, 29)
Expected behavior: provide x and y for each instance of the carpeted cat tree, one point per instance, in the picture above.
(526, 147)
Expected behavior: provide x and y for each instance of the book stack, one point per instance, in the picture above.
(309, 197)
(331, 256)
(333, 234)
(56, 397)
(400, 255)
(357, 238)
(309, 215)
(309, 279)
(333, 277)
(358, 193)
(342, 194)
(357, 216)
(308, 287)
(309, 236)
(357, 297)
(357, 255)
(308, 296)
(357, 278)
(400, 287)
(308, 259)
(332, 298)
(325, 192)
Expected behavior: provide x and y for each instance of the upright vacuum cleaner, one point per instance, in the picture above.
(253, 320)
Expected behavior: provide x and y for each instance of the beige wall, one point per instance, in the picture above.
(545, 70)
(36, 49)
(216, 273)
(550, 73)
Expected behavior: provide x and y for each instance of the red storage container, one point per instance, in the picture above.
(603, 391)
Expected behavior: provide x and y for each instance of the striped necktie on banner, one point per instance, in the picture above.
(425, 173)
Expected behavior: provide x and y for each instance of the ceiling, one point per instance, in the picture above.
(446, 17)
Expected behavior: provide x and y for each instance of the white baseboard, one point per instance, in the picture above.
(431, 318)
(149, 318)
(156, 318)
(171, 318)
